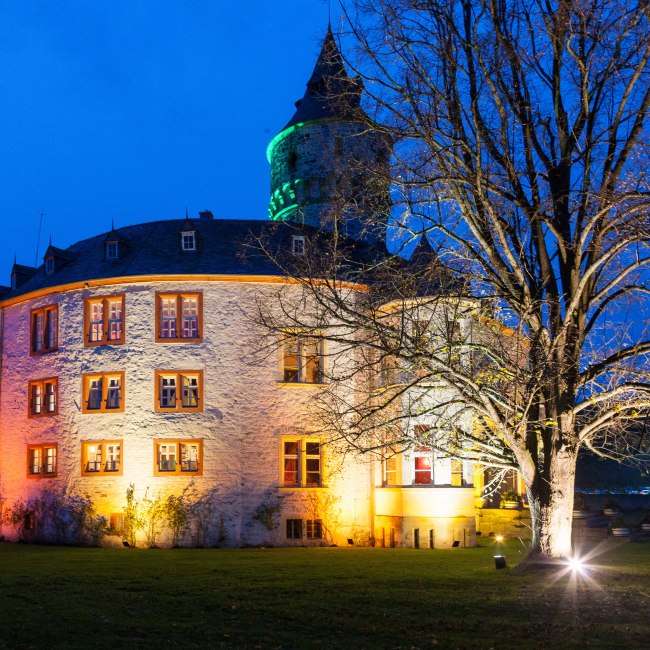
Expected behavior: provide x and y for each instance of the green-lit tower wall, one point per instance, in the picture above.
(330, 171)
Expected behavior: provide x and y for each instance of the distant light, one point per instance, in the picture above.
(499, 538)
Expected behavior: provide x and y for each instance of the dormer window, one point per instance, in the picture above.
(298, 245)
(188, 240)
(49, 265)
(112, 250)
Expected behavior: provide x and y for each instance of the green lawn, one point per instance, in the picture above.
(316, 598)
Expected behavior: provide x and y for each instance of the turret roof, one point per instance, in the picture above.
(331, 93)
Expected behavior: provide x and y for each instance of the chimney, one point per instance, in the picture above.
(206, 214)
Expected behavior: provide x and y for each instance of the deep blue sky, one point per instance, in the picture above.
(133, 110)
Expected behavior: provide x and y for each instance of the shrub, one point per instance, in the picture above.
(57, 515)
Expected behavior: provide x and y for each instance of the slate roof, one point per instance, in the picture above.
(224, 247)
(331, 93)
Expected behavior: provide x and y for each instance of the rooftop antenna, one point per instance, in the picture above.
(38, 239)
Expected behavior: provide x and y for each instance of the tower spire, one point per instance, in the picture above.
(328, 164)
(330, 92)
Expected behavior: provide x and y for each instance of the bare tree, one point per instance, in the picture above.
(521, 153)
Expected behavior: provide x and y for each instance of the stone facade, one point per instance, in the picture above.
(246, 412)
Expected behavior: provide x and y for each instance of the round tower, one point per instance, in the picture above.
(329, 166)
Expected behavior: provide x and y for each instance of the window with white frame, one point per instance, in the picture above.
(178, 457)
(43, 397)
(103, 392)
(188, 240)
(179, 317)
(101, 457)
(104, 320)
(41, 461)
(44, 333)
(423, 466)
(302, 358)
(298, 245)
(112, 250)
(179, 390)
(302, 463)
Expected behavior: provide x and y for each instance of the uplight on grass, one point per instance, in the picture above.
(576, 565)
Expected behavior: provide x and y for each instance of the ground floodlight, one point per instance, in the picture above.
(500, 561)
(576, 564)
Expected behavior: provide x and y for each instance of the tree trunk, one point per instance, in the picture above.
(551, 507)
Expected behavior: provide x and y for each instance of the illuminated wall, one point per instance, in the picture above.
(246, 412)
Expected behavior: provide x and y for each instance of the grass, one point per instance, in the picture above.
(316, 598)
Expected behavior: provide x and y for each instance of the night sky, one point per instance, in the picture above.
(135, 110)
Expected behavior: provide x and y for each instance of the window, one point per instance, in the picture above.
(294, 528)
(188, 240)
(179, 390)
(101, 457)
(112, 250)
(41, 461)
(179, 317)
(103, 392)
(313, 529)
(390, 471)
(43, 397)
(44, 329)
(49, 265)
(104, 320)
(302, 359)
(117, 522)
(178, 457)
(301, 463)
(457, 479)
(297, 245)
(423, 466)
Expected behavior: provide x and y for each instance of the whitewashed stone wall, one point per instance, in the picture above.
(246, 411)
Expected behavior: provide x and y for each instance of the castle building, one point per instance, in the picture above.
(125, 362)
